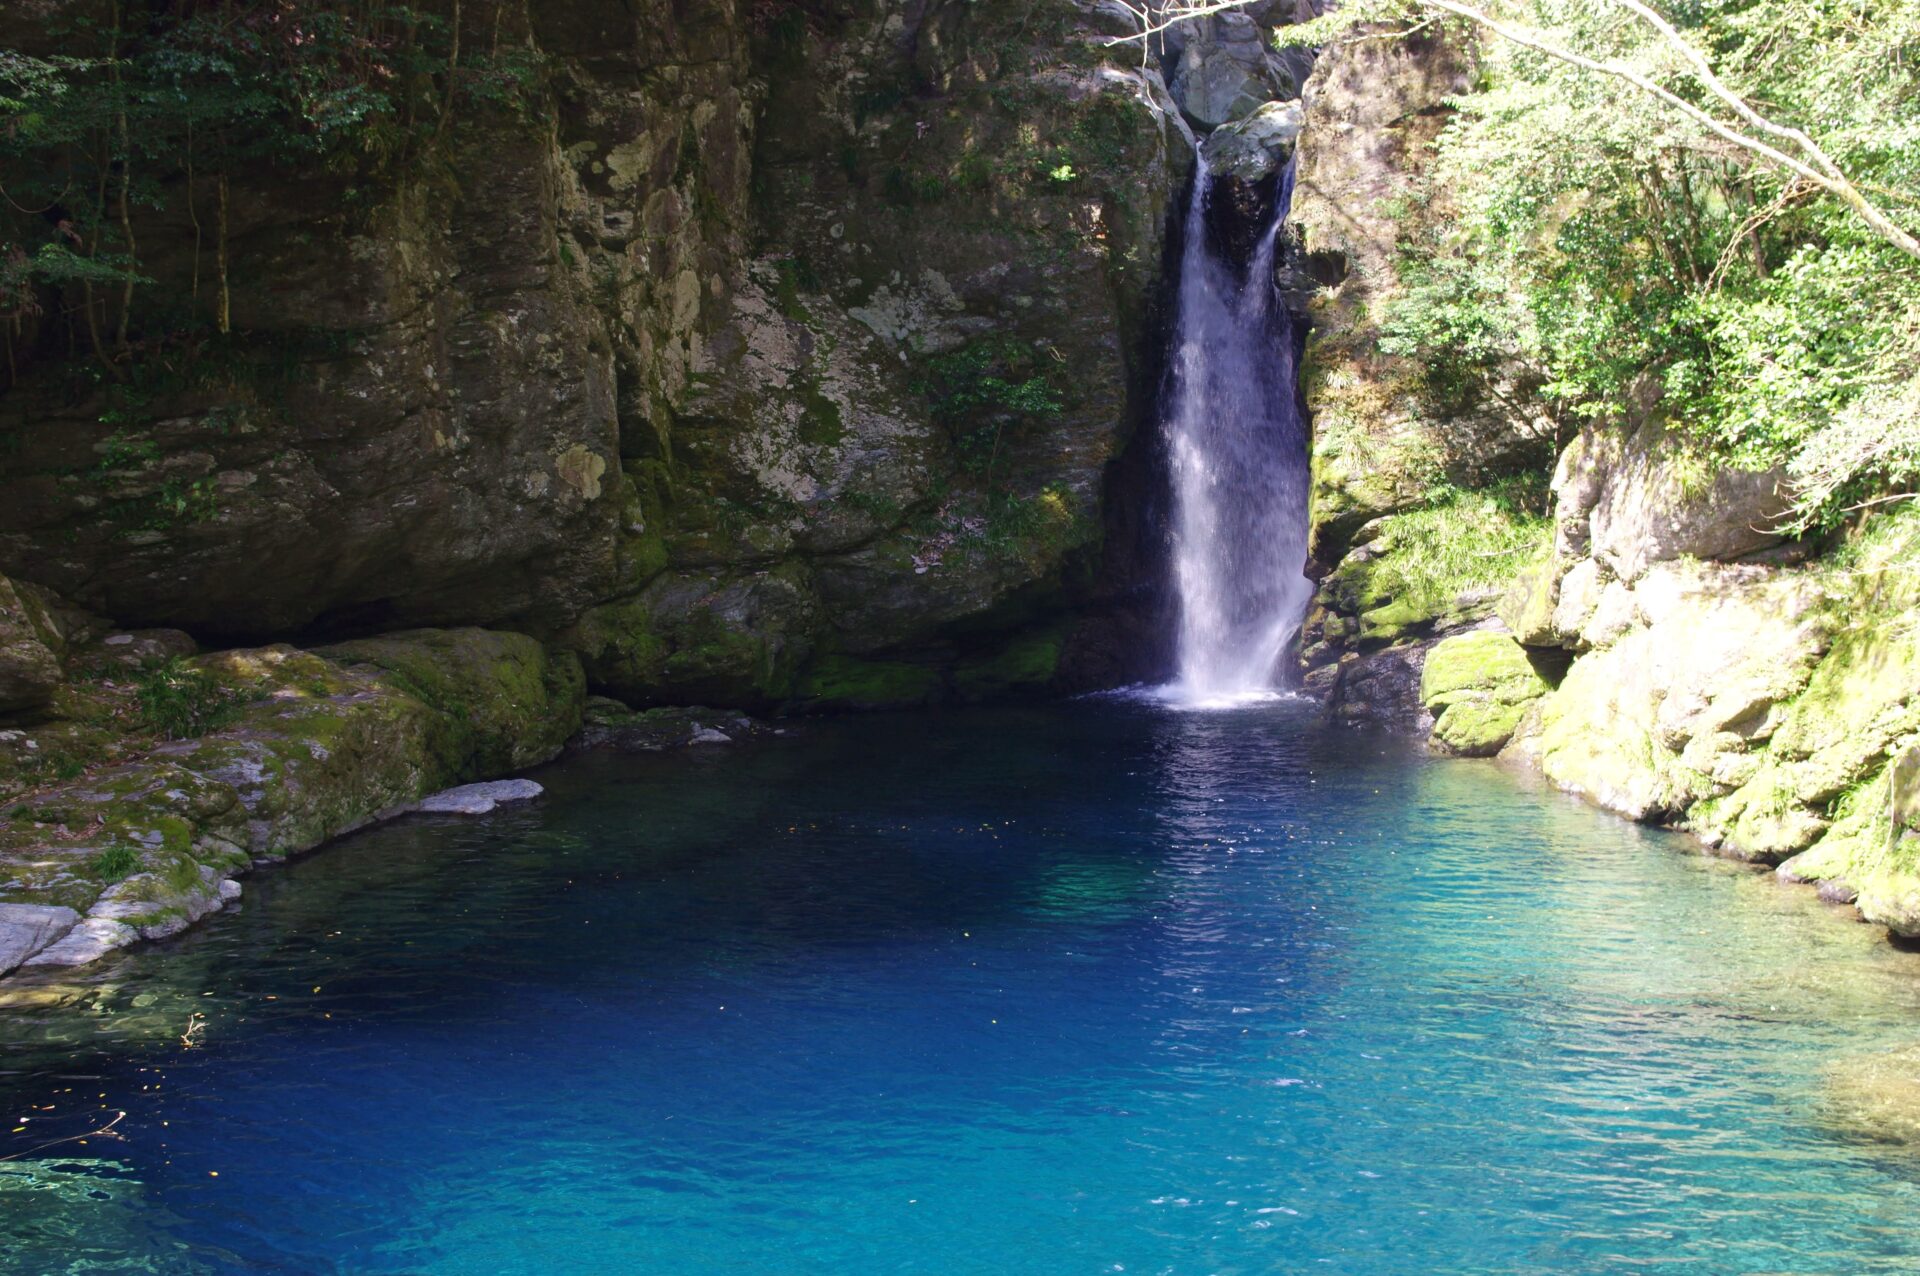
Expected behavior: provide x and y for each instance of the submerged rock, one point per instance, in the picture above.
(611, 725)
(1875, 1098)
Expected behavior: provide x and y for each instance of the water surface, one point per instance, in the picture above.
(1094, 988)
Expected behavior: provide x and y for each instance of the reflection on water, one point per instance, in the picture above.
(1106, 987)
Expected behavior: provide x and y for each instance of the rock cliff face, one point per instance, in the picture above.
(784, 355)
(762, 340)
(1654, 642)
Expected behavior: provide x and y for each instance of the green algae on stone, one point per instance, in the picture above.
(1478, 685)
(848, 682)
(1027, 663)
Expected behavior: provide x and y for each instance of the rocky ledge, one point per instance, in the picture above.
(146, 780)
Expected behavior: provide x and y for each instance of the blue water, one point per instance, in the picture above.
(1094, 988)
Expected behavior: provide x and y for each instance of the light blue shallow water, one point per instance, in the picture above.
(1094, 988)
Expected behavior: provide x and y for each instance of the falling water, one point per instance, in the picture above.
(1239, 462)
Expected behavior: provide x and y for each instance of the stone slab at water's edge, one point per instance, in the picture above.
(310, 745)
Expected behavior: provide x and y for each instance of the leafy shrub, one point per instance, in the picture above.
(180, 702)
(114, 864)
(1461, 542)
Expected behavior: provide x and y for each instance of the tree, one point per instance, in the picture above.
(1748, 130)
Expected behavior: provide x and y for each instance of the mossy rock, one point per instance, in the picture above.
(1478, 686)
(848, 682)
(1528, 605)
(1027, 664)
(693, 638)
(507, 702)
(1485, 662)
(1476, 728)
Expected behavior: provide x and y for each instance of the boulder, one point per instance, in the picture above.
(29, 655)
(478, 799)
(1658, 501)
(1478, 686)
(1226, 71)
(1256, 147)
(26, 929)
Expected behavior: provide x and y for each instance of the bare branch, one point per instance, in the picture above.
(1182, 12)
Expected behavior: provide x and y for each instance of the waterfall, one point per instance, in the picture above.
(1238, 448)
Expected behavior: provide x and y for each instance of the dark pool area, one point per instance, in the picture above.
(1095, 987)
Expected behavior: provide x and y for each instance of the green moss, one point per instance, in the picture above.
(1027, 663)
(792, 275)
(1477, 728)
(503, 702)
(847, 682)
(820, 421)
(1483, 663)
(1479, 685)
(1445, 560)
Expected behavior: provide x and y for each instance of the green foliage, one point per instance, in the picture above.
(178, 701)
(150, 111)
(986, 389)
(114, 864)
(1588, 245)
(1461, 542)
(986, 386)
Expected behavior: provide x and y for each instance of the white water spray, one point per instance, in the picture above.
(1239, 461)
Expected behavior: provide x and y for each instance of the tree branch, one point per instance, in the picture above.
(1827, 177)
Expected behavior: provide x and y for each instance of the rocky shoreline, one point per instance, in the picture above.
(152, 834)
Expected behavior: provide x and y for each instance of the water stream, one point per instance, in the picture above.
(1238, 445)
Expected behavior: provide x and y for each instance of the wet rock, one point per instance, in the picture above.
(478, 799)
(1255, 148)
(1836, 891)
(1382, 688)
(26, 929)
